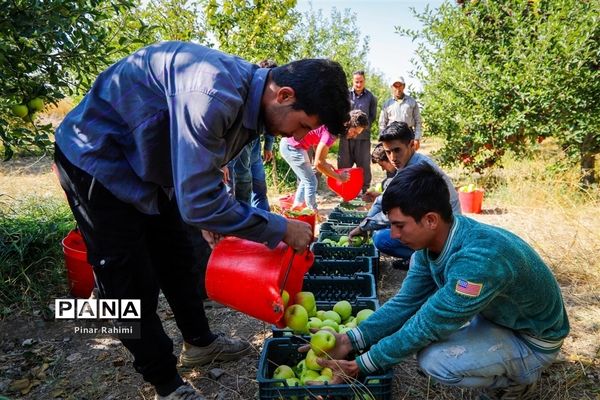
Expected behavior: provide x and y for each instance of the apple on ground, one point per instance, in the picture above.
(322, 341)
(283, 372)
(296, 318)
(343, 308)
(311, 361)
(363, 315)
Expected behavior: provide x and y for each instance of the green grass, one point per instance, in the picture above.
(31, 261)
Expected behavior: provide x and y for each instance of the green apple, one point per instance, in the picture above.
(20, 110)
(329, 323)
(285, 298)
(321, 315)
(344, 329)
(329, 328)
(311, 361)
(307, 300)
(343, 308)
(36, 104)
(296, 317)
(327, 372)
(322, 379)
(347, 320)
(356, 241)
(314, 323)
(351, 324)
(293, 381)
(362, 315)
(308, 375)
(283, 372)
(330, 314)
(343, 239)
(300, 367)
(322, 341)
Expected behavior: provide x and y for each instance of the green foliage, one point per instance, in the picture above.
(31, 261)
(336, 37)
(502, 75)
(282, 178)
(174, 20)
(254, 30)
(49, 50)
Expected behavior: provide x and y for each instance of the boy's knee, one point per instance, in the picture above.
(435, 365)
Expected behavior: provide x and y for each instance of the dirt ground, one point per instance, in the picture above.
(44, 359)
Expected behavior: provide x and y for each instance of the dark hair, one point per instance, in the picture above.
(320, 87)
(267, 63)
(397, 131)
(357, 118)
(418, 189)
(359, 72)
(378, 154)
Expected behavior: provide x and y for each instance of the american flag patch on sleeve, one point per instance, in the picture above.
(468, 288)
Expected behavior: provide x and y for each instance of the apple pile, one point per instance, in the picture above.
(302, 316)
(345, 241)
(297, 213)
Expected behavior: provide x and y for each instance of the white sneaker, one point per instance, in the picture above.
(183, 392)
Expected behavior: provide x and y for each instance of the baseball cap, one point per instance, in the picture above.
(397, 78)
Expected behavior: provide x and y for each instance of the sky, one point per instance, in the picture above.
(389, 52)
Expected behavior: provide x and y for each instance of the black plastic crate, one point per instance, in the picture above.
(357, 305)
(326, 267)
(343, 253)
(335, 227)
(345, 218)
(278, 351)
(332, 289)
(350, 213)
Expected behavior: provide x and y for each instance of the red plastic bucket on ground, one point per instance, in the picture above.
(248, 277)
(471, 202)
(79, 272)
(350, 189)
(286, 202)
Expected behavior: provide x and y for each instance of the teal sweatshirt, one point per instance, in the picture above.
(483, 270)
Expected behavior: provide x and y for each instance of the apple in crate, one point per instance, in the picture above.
(296, 318)
(322, 341)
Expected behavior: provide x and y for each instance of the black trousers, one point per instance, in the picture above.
(134, 255)
(356, 152)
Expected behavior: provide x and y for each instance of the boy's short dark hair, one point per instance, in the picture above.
(359, 72)
(357, 118)
(378, 154)
(321, 89)
(267, 63)
(418, 189)
(397, 131)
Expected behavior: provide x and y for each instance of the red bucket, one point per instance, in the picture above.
(471, 202)
(248, 277)
(79, 272)
(286, 202)
(310, 219)
(350, 189)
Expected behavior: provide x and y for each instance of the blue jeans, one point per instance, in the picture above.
(393, 247)
(248, 176)
(483, 355)
(300, 164)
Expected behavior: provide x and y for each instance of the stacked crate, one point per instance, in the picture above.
(338, 273)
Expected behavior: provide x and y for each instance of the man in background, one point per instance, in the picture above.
(358, 150)
(402, 108)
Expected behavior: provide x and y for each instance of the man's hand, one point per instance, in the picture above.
(298, 235)
(267, 156)
(211, 238)
(344, 177)
(357, 232)
(343, 370)
(369, 196)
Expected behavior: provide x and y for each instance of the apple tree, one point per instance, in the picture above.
(254, 30)
(49, 50)
(501, 75)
